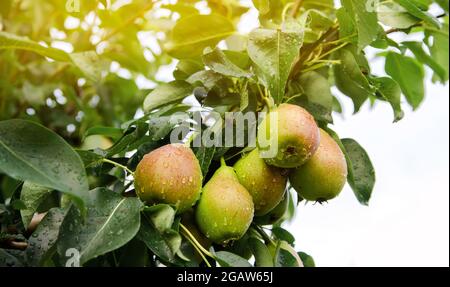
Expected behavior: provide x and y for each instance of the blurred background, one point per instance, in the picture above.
(407, 222)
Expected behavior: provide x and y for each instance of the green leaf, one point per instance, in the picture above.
(11, 258)
(361, 174)
(32, 195)
(422, 56)
(164, 245)
(285, 256)
(219, 62)
(194, 33)
(283, 234)
(167, 94)
(308, 261)
(409, 74)
(390, 91)
(41, 244)
(30, 152)
(205, 156)
(111, 221)
(227, 259)
(393, 15)
(440, 49)
(111, 132)
(11, 41)
(417, 12)
(162, 216)
(366, 21)
(273, 52)
(263, 258)
(350, 80)
(317, 89)
(89, 64)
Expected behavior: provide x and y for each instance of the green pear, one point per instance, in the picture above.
(297, 137)
(266, 184)
(276, 214)
(323, 177)
(170, 174)
(225, 210)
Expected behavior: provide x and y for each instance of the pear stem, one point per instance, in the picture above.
(199, 246)
(118, 165)
(222, 161)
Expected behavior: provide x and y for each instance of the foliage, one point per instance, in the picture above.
(104, 71)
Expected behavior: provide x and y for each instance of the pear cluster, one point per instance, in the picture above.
(254, 189)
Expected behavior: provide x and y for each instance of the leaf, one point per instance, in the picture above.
(227, 259)
(274, 52)
(219, 62)
(317, 89)
(41, 244)
(417, 12)
(89, 64)
(440, 49)
(32, 195)
(162, 216)
(11, 41)
(11, 258)
(30, 152)
(361, 174)
(283, 234)
(111, 221)
(350, 80)
(205, 156)
(111, 132)
(167, 94)
(393, 15)
(163, 245)
(194, 33)
(390, 91)
(409, 74)
(263, 258)
(308, 261)
(365, 21)
(285, 256)
(422, 56)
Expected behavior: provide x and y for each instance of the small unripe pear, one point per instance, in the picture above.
(323, 177)
(276, 214)
(266, 184)
(225, 210)
(298, 136)
(170, 174)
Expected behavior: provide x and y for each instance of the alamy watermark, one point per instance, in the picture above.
(234, 129)
(73, 6)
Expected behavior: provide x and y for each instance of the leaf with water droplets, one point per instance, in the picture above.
(111, 221)
(361, 173)
(11, 258)
(32, 195)
(273, 53)
(41, 245)
(31, 152)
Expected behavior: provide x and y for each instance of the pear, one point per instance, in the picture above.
(297, 140)
(276, 214)
(266, 184)
(323, 177)
(170, 174)
(225, 210)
